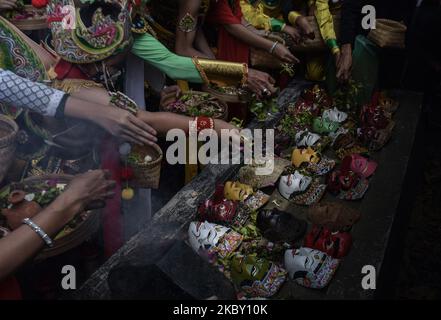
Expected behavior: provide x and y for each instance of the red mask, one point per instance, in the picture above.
(218, 209)
(373, 116)
(338, 181)
(334, 244)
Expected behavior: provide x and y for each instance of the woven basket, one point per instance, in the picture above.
(223, 104)
(77, 236)
(31, 24)
(8, 134)
(317, 44)
(147, 175)
(389, 34)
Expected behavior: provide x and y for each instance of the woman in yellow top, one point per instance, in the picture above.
(254, 13)
(260, 12)
(268, 15)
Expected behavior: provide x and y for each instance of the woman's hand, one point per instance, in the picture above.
(344, 63)
(293, 32)
(23, 243)
(118, 122)
(8, 4)
(169, 95)
(284, 54)
(260, 83)
(306, 27)
(86, 188)
(126, 126)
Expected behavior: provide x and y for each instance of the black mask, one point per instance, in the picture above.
(277, 226)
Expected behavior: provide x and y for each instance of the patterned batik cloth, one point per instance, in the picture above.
(23, 93)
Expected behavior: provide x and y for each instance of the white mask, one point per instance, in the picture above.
(303, 259)
(310, 268)
(306, 139)
(205, 235)
(293, 183)
(335, 115)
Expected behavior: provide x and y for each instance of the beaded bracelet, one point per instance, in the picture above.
(122, 101)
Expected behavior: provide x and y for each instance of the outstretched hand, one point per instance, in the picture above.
(126, 126)
(260, 83)
(344, 64)
(169, 95)
(88, 187)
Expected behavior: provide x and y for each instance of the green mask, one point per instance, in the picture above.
(247, 269)
(324, 126)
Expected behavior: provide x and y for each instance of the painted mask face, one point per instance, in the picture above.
(359, 165)
(306, 139)
(205, 237)
(310, 268)
(293, 183)
(299, 156)
(277, 226)
(374, 116)
(218, 211)
(303, 106)
(237, 191)
(324, 126)
(334, 244)
(248, 268)
(255, 276)
(335, 115)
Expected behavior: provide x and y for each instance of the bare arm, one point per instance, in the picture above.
(23, 243)
(118, 122)
(185, 40)
(201, 44)
(249, 35)
(250, 27)
(165, 121)
(254, 40)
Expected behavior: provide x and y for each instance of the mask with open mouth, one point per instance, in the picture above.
(207, 238)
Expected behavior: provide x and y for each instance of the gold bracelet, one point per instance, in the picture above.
(222, 73)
